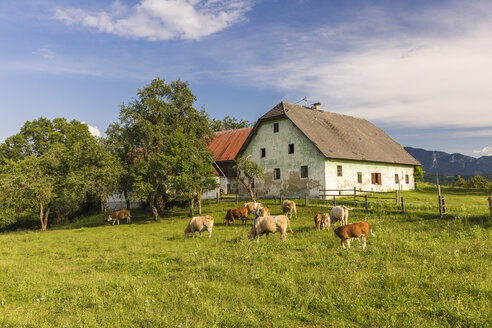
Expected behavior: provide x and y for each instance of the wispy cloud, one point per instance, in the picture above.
(160, 19)
(46, 52)
(429, 68)
(485, 151)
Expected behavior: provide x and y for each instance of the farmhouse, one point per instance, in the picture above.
(305, 149)
(225, 147)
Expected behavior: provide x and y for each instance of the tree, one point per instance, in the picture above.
(460, 182)
(418, 175)
(54, 167)
(165, 136)
(228, 123)
(247, 171)
(478, 182)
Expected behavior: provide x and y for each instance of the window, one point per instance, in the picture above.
(263, 152)
(397, 180)
(275, 127)
(359, 177)
(276, 174)
(407, 179)
(376, 178)
(304, 171)
(291, 148)
(339, 170)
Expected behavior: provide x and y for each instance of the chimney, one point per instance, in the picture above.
(316, 106)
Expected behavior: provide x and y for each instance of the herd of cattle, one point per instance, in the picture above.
(264, 223)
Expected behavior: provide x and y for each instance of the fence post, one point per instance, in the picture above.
(334, 201)
(443, 203)
(280, 197)
(367, 203)
(490, 206)
(396, 196)
(355, 194)
(402, 205)
(217, 197)
(237, 195)
(440, 200)
(305, 199)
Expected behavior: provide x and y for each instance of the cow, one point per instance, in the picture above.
(289, 206)
(269, 224)
(352, 231)
(261, 211)
(340, 213)
(252, 206)
(121, 214)
(200, 223)
(236, 213)
(322, 221)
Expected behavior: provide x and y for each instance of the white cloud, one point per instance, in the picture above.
(93, 130)
(46, 52)
(486, 151)
(161, 19)
(435, 73)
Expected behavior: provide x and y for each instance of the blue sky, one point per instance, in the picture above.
(421, 70)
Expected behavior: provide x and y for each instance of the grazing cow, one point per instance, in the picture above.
(269, 224)
(289, 207)
(261, 211)
(236, 213)
(200, 223)
(121, 214)
(252, 206)
(322, 221)
(352, 231)
(340, 213)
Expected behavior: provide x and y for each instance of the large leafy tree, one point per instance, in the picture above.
(165, 138)
(229, 123)
(54, 167)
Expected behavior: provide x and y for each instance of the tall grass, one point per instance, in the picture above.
(419, 271)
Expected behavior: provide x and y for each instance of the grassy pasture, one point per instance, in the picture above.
(419, 271)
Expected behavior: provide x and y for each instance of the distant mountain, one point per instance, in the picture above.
(451, 164)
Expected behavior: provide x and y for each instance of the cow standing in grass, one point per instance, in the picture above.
(261, 211)
(269, 224)
(236, 213)
(322, 221)
(353, 231)
(200, 223)
(289, 206)
(340, 213)
(122, 214)
(252, 207)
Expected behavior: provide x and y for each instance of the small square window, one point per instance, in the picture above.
(304, 171)
(359, 177)
(275, 127)
(397, 179)
(291, 148)
(263, 152)
(339, 170)
(407, 179)
(276, 174)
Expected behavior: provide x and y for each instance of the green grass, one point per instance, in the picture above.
(419, 271)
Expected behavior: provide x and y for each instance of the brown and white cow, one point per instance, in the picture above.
(340, 213)
(289, 206)
(269, 224)
(121, 214)
(236, 213)
(322, 221)
(200, 223)
(252, 206)
(352, 231)
(261, 211)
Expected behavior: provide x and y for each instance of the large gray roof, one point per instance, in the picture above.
(341, 136)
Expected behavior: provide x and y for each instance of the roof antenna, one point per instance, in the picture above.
(303, 99)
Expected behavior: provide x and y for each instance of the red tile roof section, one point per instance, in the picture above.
(227, 143)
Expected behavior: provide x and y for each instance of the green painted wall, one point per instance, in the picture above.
(276, 146)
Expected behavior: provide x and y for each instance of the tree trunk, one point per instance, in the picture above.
(192, 205)
(154, 208)
(250, 189)
(43, 217)
(199, 195)
(127, 200)
(104, 202)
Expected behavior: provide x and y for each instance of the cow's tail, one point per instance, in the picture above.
(370, 230)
